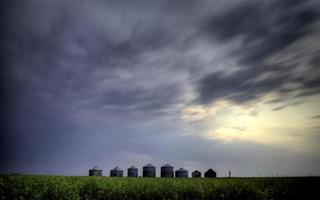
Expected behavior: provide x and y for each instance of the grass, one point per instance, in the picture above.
(106, 188)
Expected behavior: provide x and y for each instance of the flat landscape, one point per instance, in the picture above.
(78, 188)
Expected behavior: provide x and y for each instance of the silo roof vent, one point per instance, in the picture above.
(181, 170)
(95, 168)
(117, 169)
(149, 165)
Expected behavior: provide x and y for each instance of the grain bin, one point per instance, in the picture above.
(149, 171)
(196, 174)
(181, 173)
(95, 172)
(167, 171)
(116, 172)
(210, 174)
(132, 171)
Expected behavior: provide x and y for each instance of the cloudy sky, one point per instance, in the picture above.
(223, 84)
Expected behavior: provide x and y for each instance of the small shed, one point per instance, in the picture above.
(210, 174)
(95, 171)
(167, 171)
(181, 173)
(132, 171)
(149, 171)
(116, 172)
(196, 174)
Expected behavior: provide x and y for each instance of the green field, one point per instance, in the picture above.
(64, 187)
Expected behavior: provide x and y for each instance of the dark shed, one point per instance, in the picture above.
(180, 173)
(210, 174)
(149, 171)
(196, 173)
(132, 171)
(167, 171)
(116, 172)
(95, 172)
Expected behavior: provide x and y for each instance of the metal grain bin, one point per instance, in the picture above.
(210, 174)
(181, 173)
(149, 171)
(95, 172)
(132, 171)
(196, 174)
(116, 172)
(167, 171)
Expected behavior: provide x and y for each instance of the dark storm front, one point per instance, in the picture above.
(167, 171)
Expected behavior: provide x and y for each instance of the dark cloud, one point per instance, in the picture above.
(239, 87)
(105, 82)
(315, 117)
(279, 108)
(74, 53)
(265, 29)
(241, 20)
(286, 105)
(276, 100)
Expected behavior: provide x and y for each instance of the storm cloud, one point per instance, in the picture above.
(86, 80)
(268, 33)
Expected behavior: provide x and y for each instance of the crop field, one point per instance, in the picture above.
(78, 188)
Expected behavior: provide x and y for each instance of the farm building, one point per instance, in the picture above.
(95, 172)
(167, 171)
(180, 173)
(149, 171)
(132, 171)
(196, 173)
(210, 174)
(116, 172)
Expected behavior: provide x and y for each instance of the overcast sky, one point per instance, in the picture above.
(222, 84)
